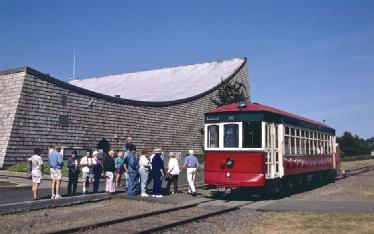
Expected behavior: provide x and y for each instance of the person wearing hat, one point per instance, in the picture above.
(109, 169)
(157, 172)
(192, 165)
(133, 170)
(87, 163)
(73, 166)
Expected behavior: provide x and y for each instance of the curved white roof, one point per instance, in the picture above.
(167, 84)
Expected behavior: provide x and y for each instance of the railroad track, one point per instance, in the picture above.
(160, 220)
(358, 171)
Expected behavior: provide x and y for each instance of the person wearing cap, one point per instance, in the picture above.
(109, 169)
(157, 172)
(87, 163)
(56, 161)
(97, 170)
(132, 169)
(73, 166)
(192, 165)
(173, 172)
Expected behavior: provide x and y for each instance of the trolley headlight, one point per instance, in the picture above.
(228, 174)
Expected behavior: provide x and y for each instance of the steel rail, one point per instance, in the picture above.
(88, 227)
(192, 219)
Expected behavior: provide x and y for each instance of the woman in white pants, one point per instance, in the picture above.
(109, 169)
(144, 166)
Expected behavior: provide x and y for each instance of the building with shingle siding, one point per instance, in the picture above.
(161, 108)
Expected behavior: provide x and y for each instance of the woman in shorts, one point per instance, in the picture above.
(119, 168)
(37, 168)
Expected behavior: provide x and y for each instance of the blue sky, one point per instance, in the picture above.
(313, 58)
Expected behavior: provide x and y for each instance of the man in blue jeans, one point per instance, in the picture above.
(132, 168)
(56, 161)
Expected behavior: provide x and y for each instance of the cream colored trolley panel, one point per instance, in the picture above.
(280, 149)
(272, 151)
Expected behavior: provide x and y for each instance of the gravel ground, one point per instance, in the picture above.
(354, 188)
(68, 217)
(238, 220)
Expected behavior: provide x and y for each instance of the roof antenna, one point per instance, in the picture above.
(73, 78)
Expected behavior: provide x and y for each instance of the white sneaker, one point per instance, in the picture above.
(153, 195)
(159, 196)
(53, 197)
(57, 196)
(144, 195)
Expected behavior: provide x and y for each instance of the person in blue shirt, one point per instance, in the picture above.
(132, 169)
(56, 161)
(192, 165)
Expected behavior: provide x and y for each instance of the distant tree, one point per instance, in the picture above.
(229, 92)
(370, 143)
(353, 145)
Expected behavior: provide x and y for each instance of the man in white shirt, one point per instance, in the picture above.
(173, 173)
(87, 163)
(37, 166)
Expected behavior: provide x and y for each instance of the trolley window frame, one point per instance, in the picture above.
(312, 138)
(240, 137)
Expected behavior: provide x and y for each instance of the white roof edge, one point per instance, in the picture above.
(164, 84)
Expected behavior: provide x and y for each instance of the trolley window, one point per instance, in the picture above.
(252, 134)
(231, 136)
(213, 136)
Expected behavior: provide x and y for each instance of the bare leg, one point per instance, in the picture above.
(58, 187)
(53, 187)
(33, 189)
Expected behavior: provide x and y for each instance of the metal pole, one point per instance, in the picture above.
(74, 67)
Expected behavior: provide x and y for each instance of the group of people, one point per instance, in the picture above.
(138, 168)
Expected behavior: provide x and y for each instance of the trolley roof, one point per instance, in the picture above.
(263, 112)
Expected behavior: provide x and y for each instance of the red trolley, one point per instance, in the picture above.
(253, 145)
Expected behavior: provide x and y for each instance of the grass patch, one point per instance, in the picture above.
(23, 167)
(313, 222)
(7, 184)
(348, 165)
(356, 158)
